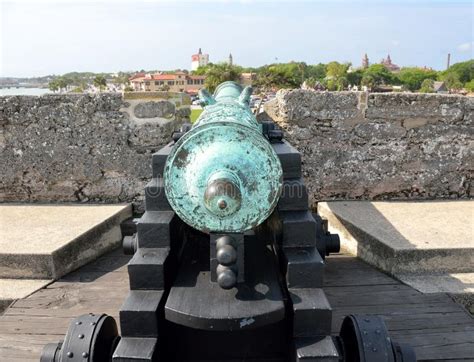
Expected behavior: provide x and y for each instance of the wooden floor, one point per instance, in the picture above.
(438, 328)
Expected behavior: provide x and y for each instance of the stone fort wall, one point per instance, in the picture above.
(83, 148)
(377, 146)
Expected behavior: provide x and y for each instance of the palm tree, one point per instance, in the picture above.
(100, 82)
(219, 73)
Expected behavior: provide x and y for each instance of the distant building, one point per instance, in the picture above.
(317, 86)
(231, 60)
(387, 63)
(440, 87)
(174, 82)
(199, 60)
(247, 78)
(365, 61)
(137, 75)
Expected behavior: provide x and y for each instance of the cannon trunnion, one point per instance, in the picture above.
(228, 261)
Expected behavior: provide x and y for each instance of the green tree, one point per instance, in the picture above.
(470, 86)
(463, 70)
(59, 83)
(53, 85)
(427, 86)
(202, 70)
(100, 81)
(451, 79)
(412, 78)
(268, 78)
(282, 75)
(218, 73)
(336, 78)
(368, 80)
(376, 75)
(317, 71)
(355, 77)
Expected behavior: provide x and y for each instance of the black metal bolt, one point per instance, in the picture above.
(176, 136)
(275, 135)
(70, 354)
(85, 354)
(81, 336)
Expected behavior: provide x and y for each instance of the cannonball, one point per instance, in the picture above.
(226, 278)
(226, 255)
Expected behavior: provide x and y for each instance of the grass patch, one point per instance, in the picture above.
(195, 113)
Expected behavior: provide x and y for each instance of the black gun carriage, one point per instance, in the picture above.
(228, 260)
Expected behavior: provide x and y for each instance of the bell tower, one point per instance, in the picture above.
(365, 61)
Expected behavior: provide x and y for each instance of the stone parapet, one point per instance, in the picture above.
(354, 145)
(377, 146)
(86, 148)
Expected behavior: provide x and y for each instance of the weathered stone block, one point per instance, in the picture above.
(162, 109)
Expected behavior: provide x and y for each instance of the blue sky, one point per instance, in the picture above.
(56, 37)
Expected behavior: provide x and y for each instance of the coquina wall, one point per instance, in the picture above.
(81, 147)
(85, 148)
(381, 145)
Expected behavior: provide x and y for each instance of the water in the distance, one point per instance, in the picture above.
(23, 91)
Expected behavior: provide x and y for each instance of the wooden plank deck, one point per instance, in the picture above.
(438, 328)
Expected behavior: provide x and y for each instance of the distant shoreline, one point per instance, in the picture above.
(23, 86)
(24, 91)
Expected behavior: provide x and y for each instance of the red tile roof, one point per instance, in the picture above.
(163, 76)
(145, 77)
(137, 75)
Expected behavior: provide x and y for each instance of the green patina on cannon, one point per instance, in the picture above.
(228, 260)
(223, 175)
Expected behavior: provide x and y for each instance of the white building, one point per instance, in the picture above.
(199, 60)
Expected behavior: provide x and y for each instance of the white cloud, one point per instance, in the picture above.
(465, 47)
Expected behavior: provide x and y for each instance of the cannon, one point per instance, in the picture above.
(228, 259)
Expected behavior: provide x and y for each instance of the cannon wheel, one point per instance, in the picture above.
(90, 338)
(366, 339)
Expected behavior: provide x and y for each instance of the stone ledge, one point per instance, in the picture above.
(406, 237)
(48, 241)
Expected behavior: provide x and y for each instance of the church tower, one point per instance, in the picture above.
(365, 61)
(199, 60)
(230, 59)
